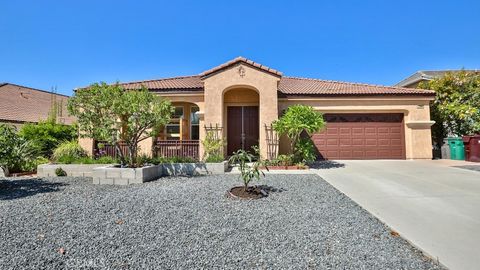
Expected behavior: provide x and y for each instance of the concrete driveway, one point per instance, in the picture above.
(432, 204)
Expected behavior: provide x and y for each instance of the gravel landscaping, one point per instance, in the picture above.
(184, 223)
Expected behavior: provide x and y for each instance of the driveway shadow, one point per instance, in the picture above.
(20, 188)
(327, 164)
(469, 167)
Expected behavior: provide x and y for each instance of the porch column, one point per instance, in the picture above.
(87, 145)
(145, 147)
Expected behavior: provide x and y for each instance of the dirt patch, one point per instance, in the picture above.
(249, 193)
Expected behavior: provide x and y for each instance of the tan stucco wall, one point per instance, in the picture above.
(264, 83)
(416, 110)
(87, 145)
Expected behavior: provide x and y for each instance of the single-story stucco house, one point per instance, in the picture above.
(243, 97)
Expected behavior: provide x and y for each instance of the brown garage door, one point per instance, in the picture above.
(361, 136)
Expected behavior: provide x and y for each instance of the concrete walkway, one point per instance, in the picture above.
(432, 204)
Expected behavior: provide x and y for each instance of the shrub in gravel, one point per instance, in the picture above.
(249, 170)
(60, 172)
(68, 151)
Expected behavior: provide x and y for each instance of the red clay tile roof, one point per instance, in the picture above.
(304, 86)
(176, 83)
(243, 60)
(287, 85)
(24, 104)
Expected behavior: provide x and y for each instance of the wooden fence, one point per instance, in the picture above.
(177, 148)
(102, 149)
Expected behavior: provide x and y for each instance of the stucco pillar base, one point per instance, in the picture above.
(145, 147)
(87, 145)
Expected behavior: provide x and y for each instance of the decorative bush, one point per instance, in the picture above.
(213, 147)
(249, 166)
(16, 153)
(47, 135)
(285, 160)
(60, 172)
(160, 160)
(68, 151)
(296, 120)
(306, 149)
(214, 158)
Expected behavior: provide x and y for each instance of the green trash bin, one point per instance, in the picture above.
(457, 150)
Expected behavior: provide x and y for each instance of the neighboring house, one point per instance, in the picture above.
(21, 104)
(244, 97)
(425, 75)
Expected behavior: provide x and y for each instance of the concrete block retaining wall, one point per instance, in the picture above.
(107, 174)
(192, 169)
(124, 176)
(76, 170)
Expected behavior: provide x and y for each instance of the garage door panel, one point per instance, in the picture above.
(332, 142)
(346, 154)
(370, 131)
(384, 142)
(396, 142)
(332, 131)
(357, 131)
(345, 142)
(345, 131)
(371, 142)
(362, 136)
(358, 142)
(395, 130)
(383, 130)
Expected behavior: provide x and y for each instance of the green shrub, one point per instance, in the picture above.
(87, 160)
(213, 147)
(296, 120)
(214, 158)
(106, 160)
(60, 172)
(68, 151)
(144, 159)
(306, 150)
(31, 165)
(160, 160)
(285, 160)
(46, 136)
(16, 153)
(249, 166)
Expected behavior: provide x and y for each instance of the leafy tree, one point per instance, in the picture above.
(110, 113)
(296, 120)
(456, 109)
(47, 135)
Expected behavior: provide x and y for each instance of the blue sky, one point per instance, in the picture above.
(70, 44)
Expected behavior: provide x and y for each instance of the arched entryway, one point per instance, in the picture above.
(241, 119)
